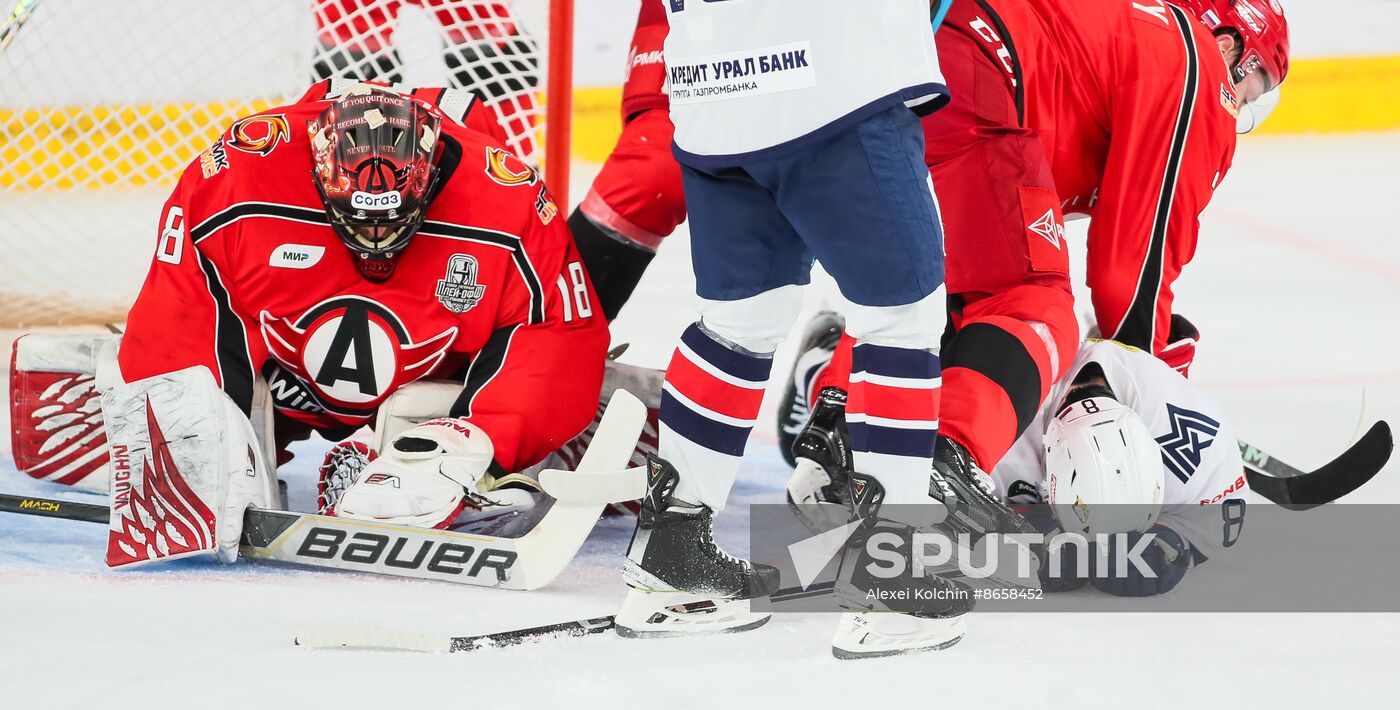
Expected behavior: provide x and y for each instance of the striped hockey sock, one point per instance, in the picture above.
(892, 417)
(708, 406)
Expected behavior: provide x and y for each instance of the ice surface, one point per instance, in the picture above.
(1295, 288)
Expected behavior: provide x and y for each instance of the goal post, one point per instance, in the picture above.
(102, 104)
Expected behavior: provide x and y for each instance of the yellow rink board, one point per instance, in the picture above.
(137, 145)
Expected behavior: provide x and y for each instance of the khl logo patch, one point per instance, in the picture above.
(458, 290)
(1192, 433)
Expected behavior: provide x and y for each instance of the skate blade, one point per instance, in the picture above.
(631, 633)
(862, 636)
(845, 655)
(648, 614)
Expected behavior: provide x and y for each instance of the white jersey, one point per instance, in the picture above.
(1199, 451)
(749, 76)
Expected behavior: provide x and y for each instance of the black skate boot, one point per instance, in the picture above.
(891, 616)
(819, 341)
(819, 491)
(974, 511)
(682, 582)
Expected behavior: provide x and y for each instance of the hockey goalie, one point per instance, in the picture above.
(364, 256)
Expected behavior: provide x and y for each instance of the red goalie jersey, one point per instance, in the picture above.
(250, 280)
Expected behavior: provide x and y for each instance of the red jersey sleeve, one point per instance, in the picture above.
(535, 384)
(645, 78)
(184, 315)
(1171, 141)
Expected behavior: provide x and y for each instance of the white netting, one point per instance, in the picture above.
(103, 103)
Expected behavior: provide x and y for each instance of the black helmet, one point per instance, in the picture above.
(374, 161)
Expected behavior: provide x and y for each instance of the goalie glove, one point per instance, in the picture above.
(425, 477)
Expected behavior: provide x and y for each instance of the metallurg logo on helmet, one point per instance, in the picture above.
(376, 202)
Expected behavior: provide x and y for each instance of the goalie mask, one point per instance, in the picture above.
(374, 162)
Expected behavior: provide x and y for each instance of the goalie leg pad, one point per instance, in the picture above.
(185, 465)
(56, 382)
(55, 407)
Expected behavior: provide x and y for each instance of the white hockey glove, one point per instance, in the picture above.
(185, 464)
(426, 477)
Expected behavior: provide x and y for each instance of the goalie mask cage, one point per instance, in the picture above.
(102, 104)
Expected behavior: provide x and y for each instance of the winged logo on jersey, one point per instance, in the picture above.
(1192, 433)
(352, 352)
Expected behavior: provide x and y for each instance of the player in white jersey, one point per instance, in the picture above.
(1203, 484)
(796, 140)
(791, 72)
(1123, 444)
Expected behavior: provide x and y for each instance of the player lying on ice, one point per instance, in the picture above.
(1119, 440)
(319, 260)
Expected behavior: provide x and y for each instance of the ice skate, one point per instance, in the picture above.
(819, 341)
(888, 617)
(819, 489)
(875, 635)
(681, 581)
(974, 510)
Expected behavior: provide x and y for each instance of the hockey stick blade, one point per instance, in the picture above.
(1296, 489)
(378, 639)
(594, 487)
(370, 638)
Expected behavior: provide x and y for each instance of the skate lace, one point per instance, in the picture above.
(708, 540)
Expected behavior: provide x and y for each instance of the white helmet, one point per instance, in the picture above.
(1103, 468)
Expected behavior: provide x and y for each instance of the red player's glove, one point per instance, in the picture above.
(1180, 350)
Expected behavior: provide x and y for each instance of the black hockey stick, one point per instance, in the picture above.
(1296, 489)
(49, 508)
(357, 637)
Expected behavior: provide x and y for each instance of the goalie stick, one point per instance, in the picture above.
(1296, 489)
(526, 562)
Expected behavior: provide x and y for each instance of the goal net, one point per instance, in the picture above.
(102, 104)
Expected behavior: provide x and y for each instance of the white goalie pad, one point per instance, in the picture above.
(56, 419)
(185, 465)
(56, 381)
